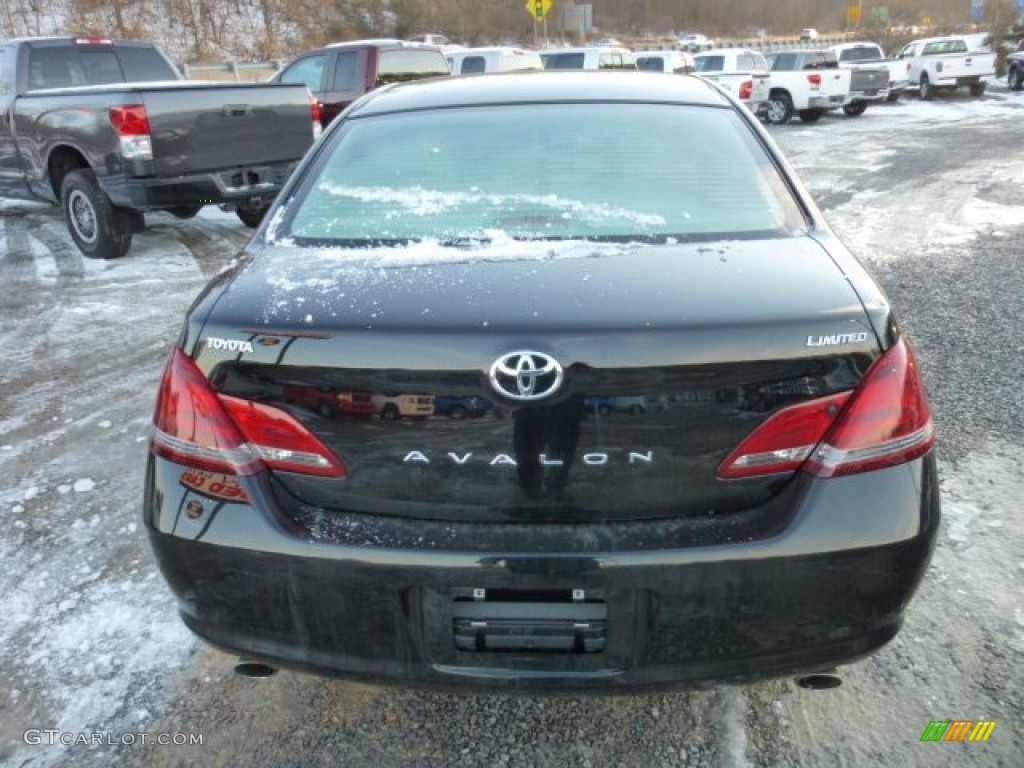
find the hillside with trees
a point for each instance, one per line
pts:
(249, 30)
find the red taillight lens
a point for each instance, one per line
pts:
(814, 80)
(884, 422)
(747, 89)
(280, 440)
(887, 422)
(130, 120)
(317, 109)
(195, 426)
(785, 440)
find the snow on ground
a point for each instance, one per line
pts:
(952, 209)
(89, 633)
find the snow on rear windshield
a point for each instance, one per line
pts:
(615, 172)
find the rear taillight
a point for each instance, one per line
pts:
(318, 114)
(131, 123)
(195, 426)
(884, 422)
(887, 422)
(814, 80)
(746, 89)
(785, 441)
(130, 120)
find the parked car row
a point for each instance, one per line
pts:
(334, 402)
(339, 73)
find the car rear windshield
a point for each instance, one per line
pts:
(614, 172)
(709, 63)
(410, 64)
(562, 60)
(861, 53)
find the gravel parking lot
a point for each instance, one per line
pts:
(929, 195)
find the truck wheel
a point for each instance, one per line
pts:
(780, 109)
(856, 108)
(390, 412)
(811, 115)
(100, 229)
(927, 89)
(977, 90)
(252, 215)
(184, 211)
(893, 96)
(1015, 78)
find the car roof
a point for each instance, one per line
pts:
(587, 49)
(545, 87)
(721, 51)
(493, 49)
(381, 42)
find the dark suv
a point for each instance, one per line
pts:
(340, 73)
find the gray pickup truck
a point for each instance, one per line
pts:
(109, 130)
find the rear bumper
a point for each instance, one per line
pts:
(873, 95)
(802, 600)
(961, 81)
(236, 185)
(825, 102)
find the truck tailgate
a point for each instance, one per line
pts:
(210, 127)
(976, 65)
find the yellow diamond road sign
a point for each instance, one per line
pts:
(539, 9)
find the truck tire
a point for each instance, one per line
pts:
(252, 215)
(927, 89)
(184, 211)
(100, 229)
(977, 90)
(780, 108)
(893, 96)
(811, 115)
(855, 108)
(1015, 78)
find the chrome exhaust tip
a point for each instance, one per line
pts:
(820, 681)
(250, 668)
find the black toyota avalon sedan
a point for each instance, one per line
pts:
(538, 242)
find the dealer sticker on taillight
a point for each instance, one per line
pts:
(214, 485)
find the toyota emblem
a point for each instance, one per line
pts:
(526, 376)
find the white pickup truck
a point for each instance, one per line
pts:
(948, 62)
(805, 83)
(741, 72)
(855, 54)
(868, 82)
